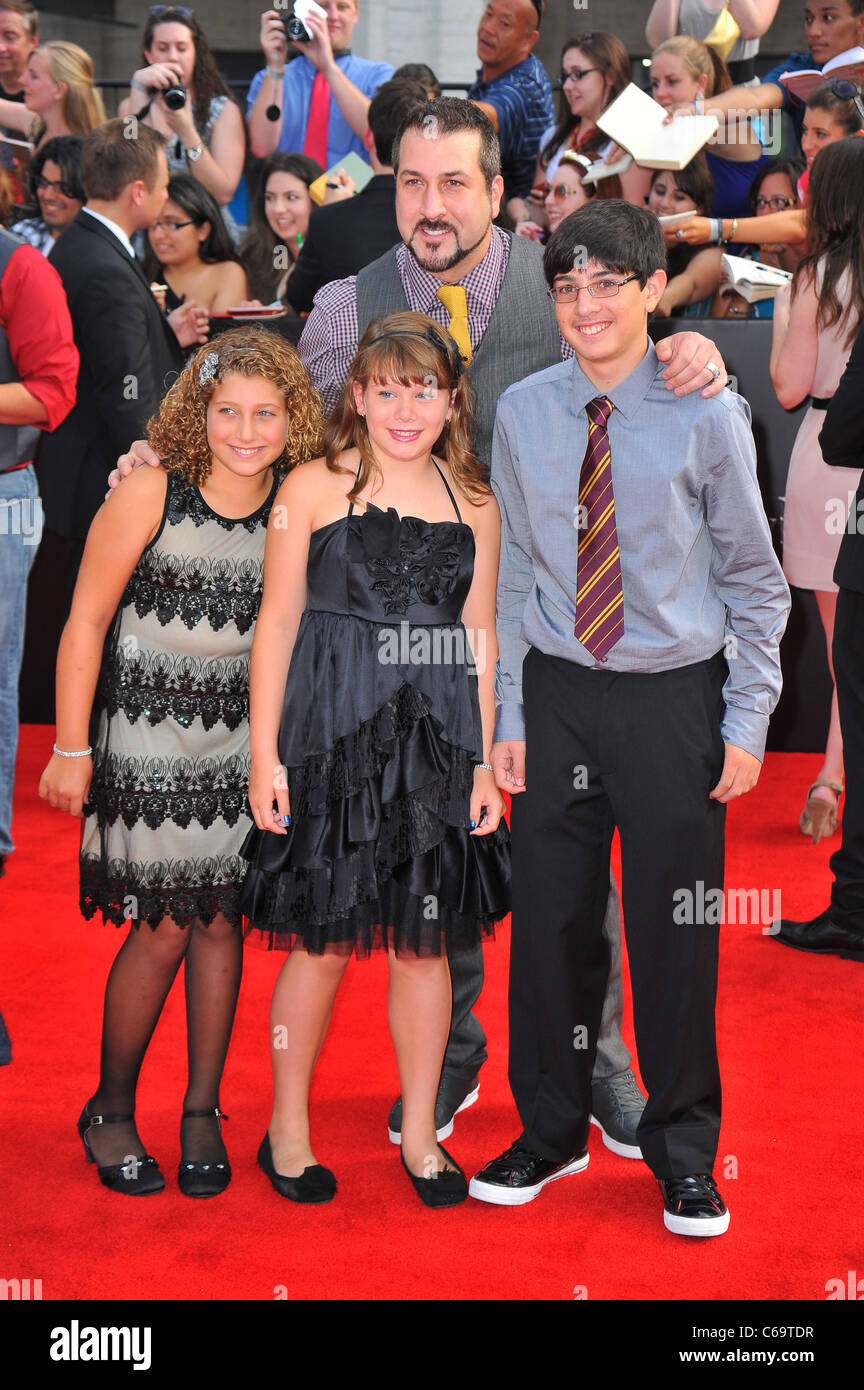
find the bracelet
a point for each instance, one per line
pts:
(487, 767)
(716, 228)
(82, 753)
(276, 73)
(137, 86)
(731, 236)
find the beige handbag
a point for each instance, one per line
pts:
(724, 35)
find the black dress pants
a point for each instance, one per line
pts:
(847, 863)
(640, 752)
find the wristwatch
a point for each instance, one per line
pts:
(194, 154)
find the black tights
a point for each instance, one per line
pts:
(137, 988)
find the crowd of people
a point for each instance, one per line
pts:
(450, 327)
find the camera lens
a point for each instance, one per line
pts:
(295, 30)
(175, 96)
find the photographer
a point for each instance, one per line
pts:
(181, 94)
(319, 103)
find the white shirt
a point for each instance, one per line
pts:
(113, 227)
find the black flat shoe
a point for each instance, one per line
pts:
(136, 1177)
(445, 1188)
(199, 1179)
(315, 1184)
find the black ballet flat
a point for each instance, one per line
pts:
(137, 1177)
(200, 1179)
(315, 1184)
(445, 1188)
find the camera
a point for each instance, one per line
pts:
(296, 31)
(174, 96)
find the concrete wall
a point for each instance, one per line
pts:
(438, 32)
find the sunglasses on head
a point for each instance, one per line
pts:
(160, 11)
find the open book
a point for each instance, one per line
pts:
(635, 122)
(849, 65)
(753, 280)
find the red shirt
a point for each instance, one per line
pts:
(35, 318)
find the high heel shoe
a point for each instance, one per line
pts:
(819, 818)
(136, 1177)
(315, 1184)
(199, 1179)
(445, 1188)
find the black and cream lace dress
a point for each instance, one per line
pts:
(168, 809)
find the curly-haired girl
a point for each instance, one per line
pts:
(371, 731)
(171, 576)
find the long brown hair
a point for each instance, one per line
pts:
(607, 53)
(412, 348)
(835, 223)
(207, 81)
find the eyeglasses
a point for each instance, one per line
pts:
(172, 226)
(560, 190)
(158, 11)
(56, 186)
(848, 91)
(568, 293)
(574, 75)
(775, 204)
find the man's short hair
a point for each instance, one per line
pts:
(117, 154)
(390, 107)
(450, 116)
(623, 238)
(26, 12)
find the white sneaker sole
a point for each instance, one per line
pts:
(518, 1196)
(445, 1131)
(624, 1150)
(696, 1225)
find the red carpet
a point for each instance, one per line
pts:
(790, 1029)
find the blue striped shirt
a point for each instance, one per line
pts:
(522, 96)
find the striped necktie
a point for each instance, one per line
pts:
(599, 595)
(455, 301)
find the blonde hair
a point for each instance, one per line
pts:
(414, 348)
(71, 67)
(178, 432)
(700, 60)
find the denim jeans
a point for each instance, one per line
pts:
(20, 533)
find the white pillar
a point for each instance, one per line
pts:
(443, 34)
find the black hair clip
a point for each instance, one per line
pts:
(429, 335)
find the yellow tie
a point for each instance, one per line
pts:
(454, 301)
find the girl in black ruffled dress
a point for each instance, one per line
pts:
(370, 727)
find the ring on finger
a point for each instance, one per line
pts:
(714, 370)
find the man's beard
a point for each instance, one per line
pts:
(433, 263)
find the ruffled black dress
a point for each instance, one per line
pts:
(380, 734)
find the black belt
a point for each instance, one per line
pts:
(821, 402)
(15, 466)
(742, 70)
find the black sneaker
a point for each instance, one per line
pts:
(693, 1206)
(519, 1174)
(454, 1096)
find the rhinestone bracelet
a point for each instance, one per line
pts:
(486, 766)
(82, 753)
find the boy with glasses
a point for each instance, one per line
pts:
(628, 579)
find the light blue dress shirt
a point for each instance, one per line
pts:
(297, 93)
(698, 569)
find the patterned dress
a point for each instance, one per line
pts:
(168, 810)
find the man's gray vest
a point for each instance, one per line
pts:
(17, 442)
(522, 336)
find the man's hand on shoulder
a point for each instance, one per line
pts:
(690, 358)
(740, 774)
(139, 453)
(508, 765)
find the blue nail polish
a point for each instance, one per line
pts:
(473, 825)
(286, 820)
